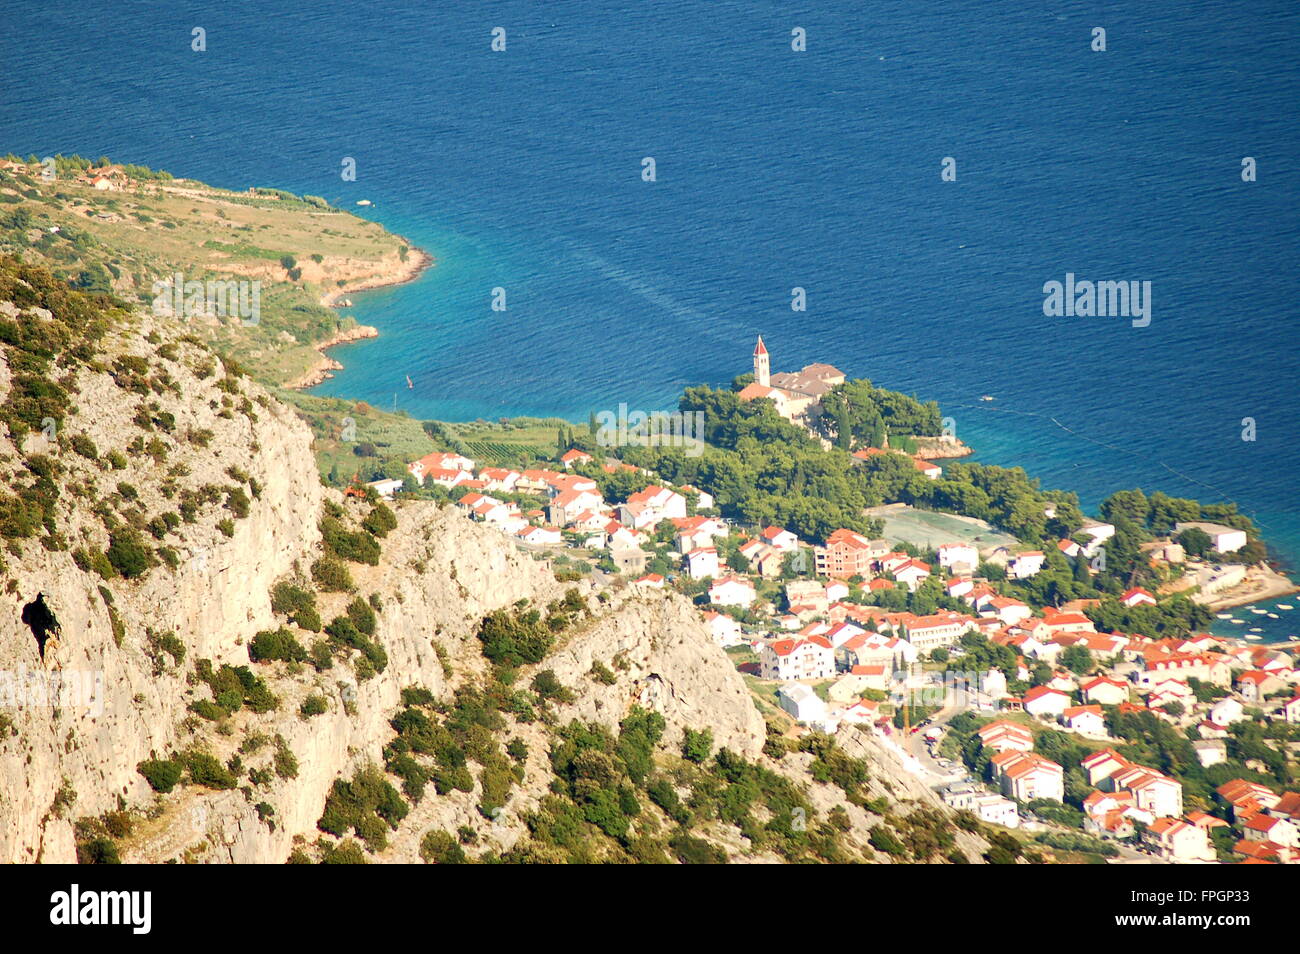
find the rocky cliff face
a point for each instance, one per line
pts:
(163, 455)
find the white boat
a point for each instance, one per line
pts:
(363, 202)
(1285, 606)
(1253, 636)
(1256, 629)
(986, 397)
(1258, 612)
(1223, 615)
(1237, 621)
(1273, 616)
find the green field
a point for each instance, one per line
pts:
(926, 528)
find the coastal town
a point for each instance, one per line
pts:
(1030, 717)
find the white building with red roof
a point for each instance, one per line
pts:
(806, 657)
(732, 591)
(1026, 776)
(1137, 597)
(702, 562)
(697, 531)
(441, 462)
(725, 630)
(1044, 700)
(574, 456)
(1006, 736)
(1021, 566)
(1086, 720)
(1179, 841)
(646, 508)
(1105, 690)
(912, 573)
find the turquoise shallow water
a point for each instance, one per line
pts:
(820, 170)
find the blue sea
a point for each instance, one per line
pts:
(775, 169)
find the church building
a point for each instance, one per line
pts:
(796, 394)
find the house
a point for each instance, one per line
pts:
(540, 536)
(1151, 791)
(448, 477)
(809, 593)
(857, 681)
(732, 591)
(703, 499)
(927, 633)
(440, 461)
(862, 712)
(501, 479)
(1223, 539)
(386, 488)
(1210, 751)
(1099, 532)
(764, 560)
(808, 657)
(1137, 597)
(994, 683)
(1069, 548)
(1086, 720)
(841, 633)
(1179, 841)
(1255, 684)
(1105, 690)
(959, 586)
(1024, 565)
(847, 554)
(648, 507)
(779, 539)
(702, 562)
(695, 532)
(1005, 736)
(912, 573)
(1247, 798)
(1265, 827)
(928, 468)
(1026, 776)
(725, 630)
(802, 703)
(574, 456)
(1009, 611)
(1066, 622)
(1291, 709)
(1044, 700)
(987, 806)
(1227, 711)
(651, 581)
(566, 506)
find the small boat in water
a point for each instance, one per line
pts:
(1253, 636)
(1237, 621)
(409, 382)
(1273, 616)
(1258, 612)
(986, 397)
(1285, 606)
(1223, 615)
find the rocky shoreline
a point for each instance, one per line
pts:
(326, 366)
(416, 262)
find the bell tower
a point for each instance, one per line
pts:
(762, 370)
